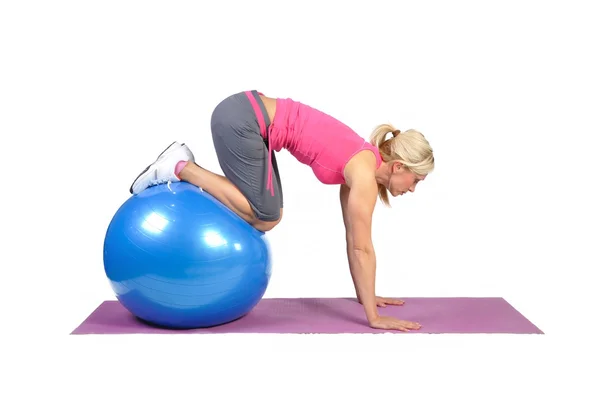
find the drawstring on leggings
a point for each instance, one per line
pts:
(270, 175)
(264, 132)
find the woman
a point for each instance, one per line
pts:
(248, 126)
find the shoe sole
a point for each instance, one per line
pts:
(150, 165)
(167, 149)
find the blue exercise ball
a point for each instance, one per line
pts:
(178, 258)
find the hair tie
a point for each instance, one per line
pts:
(395, 133)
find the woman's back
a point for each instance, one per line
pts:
(314, 138)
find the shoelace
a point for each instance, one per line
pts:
(158, 182)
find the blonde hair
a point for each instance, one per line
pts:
(409, 147)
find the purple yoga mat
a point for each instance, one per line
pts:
(335, 315)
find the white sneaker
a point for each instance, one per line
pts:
(168, 149)
(174, 146)
(163, 169)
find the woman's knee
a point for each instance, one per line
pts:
(264, 225)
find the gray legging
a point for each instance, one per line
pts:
(244, 155)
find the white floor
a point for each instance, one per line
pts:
(226, 365)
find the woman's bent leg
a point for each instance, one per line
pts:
(225, 192)
(219, 187)
(244, 158)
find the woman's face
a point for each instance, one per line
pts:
(403, 180)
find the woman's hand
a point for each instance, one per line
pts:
(383, 302)
(389, 323)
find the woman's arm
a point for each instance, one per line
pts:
(344, 194)
(358, 202)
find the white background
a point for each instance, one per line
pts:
(506, 92)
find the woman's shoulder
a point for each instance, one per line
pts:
(363, 164)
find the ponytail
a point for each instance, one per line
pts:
(379, 139)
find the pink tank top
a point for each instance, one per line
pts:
(313, 137)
